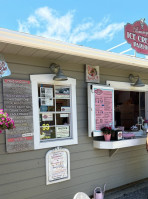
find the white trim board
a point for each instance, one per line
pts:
(126, 86)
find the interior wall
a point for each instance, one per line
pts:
(23, 174)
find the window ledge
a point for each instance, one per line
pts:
(119, 144)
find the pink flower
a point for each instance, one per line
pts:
(5, 121)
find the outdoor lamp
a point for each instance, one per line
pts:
(55, 68)
(138, 82)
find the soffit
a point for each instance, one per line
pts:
(69, 53)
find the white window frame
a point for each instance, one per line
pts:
(125, 86)
(48, 79)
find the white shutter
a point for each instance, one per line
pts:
(100, 108)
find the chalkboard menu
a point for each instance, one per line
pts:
(17, 96)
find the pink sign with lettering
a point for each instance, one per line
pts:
(103, 108)
(137, 35)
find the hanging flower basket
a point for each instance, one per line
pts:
(5, 121)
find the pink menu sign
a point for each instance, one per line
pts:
(103, 108)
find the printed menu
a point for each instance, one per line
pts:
(57, 165)
(103, 108)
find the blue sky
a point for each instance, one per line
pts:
(92, 23)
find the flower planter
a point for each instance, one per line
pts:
(107, 137)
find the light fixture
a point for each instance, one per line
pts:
(138, 82)
(55, 68)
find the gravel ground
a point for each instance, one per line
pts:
(136, 191)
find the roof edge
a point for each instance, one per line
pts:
(27, 40)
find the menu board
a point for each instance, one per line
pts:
(103, 108)
(57, 165)
(100, 108)
(18, 104)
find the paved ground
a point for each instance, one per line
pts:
(137, 190)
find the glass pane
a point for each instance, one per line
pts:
(47, 133)
(46, 104)
(142, 100)
(47, 118)
(62, 92)
(62, 131)
(62, 119)
(142, 113)
(63, 105)
(45, 90)
(126, 108)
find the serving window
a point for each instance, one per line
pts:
(129, 105)
(116, 104)
(54, 109)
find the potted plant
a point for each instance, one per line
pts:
(5, 121)
(107, 131)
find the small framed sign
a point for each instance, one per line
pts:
(92, 74)
(57, 165)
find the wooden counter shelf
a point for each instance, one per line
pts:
(114, 146)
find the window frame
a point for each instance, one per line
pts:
(48, 79)
(126, 86)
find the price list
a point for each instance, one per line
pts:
(57, 165)
(18, 104)
(103, 108)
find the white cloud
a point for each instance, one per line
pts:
(108, 32)
(47, 22)
(33, 21)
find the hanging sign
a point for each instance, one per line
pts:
(137, 35)
(57, 165)
(18, 104)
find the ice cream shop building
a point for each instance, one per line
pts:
(60, 96)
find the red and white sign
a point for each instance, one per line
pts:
(92, 74)
(137, 35)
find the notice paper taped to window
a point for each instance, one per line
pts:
(62, 131)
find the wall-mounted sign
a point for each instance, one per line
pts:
(100, 108)
(92, 74)
(4, 70)
(137, 35)
(57, 165)
(103, 108)
(18, 104)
